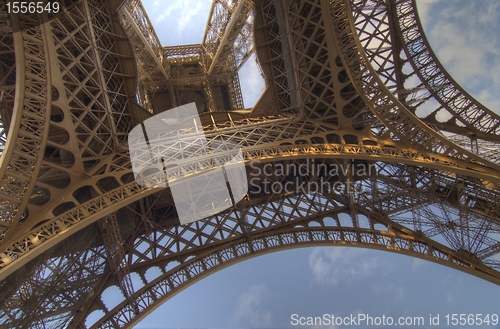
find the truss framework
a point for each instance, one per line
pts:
(334, 73)
(392, 37)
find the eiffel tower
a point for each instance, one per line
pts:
(346, 82)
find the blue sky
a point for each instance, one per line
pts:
(464, 35)
(264, 292)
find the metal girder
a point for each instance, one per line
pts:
(149, 49)
(261, 149)
(228, 36)
(184, 50)
(259, 141)
(290, 221)
(382, 25)
(112, 239)
(7, 76)
(48, 290)
(65, 130)
(462, 107)
(394, 115)
(21, 161)
(334, 81)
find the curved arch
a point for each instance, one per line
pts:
(403, 139)
(477, 118)
(20, 159)
(437, 153)
(406, 127)
(58, 228)
(397, 27)
(92, 100)
(212, 260)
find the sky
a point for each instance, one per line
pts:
(265, 291)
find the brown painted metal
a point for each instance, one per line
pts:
(74, 222)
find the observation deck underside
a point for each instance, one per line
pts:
(74, 221)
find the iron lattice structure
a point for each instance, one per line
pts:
(349, 82)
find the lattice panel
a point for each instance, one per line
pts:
(462, 108)
(50, 288)
(181, 254)
(336, 84)
(21, 160)
(228, 37)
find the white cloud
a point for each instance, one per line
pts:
(252, 83)
(249, 309)
(187, 15)
(331, 266)
(418, 263)
(453, 284)
(180, 13)
(395, 291)
(465, 39)
(178, 22)
(424, 7)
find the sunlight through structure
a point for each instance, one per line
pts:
(349, 84)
